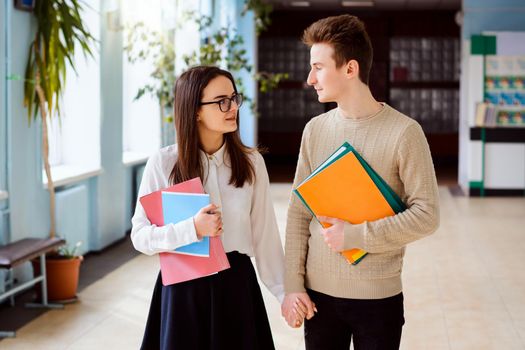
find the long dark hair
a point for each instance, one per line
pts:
(188, 94)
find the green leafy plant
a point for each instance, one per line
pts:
(220, 46)
(225, 46)
(262, 11)
(68, 251)
(60, 32)
(158, 47)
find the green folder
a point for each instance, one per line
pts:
(391, 197)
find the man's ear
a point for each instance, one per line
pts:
(352, 69)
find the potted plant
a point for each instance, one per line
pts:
(63, 271)
(60, 32)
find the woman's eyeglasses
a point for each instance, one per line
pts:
(225, 104)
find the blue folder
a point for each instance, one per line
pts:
(177, 207)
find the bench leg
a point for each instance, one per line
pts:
(43, 283)
(11, 282)
(6, 334)
(42, 279)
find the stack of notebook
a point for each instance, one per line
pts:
(347, 188)
(195, 260)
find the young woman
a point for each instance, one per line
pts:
(225, 310)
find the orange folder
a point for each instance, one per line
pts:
(345, 190)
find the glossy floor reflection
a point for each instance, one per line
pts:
(464, 289)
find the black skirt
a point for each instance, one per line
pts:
(222, 311)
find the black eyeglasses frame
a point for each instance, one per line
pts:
(237, 98)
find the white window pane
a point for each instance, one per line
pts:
(75, 140)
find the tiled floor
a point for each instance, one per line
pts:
(464, 289)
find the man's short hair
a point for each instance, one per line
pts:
(348, 37)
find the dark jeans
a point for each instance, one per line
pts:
(372, 324)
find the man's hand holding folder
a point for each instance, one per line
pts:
(334, 235)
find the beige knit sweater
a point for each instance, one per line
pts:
(395, 146)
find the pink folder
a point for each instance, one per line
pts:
(176, 268)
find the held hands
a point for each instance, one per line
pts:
(334, 235)
(296, 307)
(208, 221)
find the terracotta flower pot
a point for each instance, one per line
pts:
(62, 278)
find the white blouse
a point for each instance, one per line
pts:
(249, 224)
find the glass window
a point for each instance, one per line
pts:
(74, 141)
(141, 117)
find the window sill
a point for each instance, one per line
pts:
(68, 174)
(3, 195)
(133, 158)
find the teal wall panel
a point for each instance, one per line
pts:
(489, 15)
(3, 99)
(483, 4)
(228, 13)
(130, 196)
(73, 215)
(4, 233)
(28, 200)
(246, 27)
(111, 191)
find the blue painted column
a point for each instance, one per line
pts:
(228, 13)
(108, 197)
(246, 28)
(4, 206)
(29, 201)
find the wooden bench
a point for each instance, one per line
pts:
(16, 253)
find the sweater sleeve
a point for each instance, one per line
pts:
(151, 239)
(297, 224)
(421, 218)
(267, 244)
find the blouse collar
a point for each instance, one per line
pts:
(216, 158)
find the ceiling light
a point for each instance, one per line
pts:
(300, 3)
(357, 3)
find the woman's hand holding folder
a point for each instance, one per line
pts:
(208, 221)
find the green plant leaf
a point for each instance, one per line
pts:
(59, 30)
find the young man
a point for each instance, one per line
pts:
(363, 302)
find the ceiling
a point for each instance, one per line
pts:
(376, 4)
